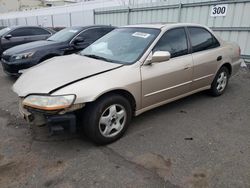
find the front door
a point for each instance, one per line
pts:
(166, 80)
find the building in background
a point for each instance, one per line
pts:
(19, 5)
(50, 3)
(22, 5)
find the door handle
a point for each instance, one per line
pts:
(219, 58)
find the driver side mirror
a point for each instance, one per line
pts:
(158, 56)
(79, 40)
(8, 36)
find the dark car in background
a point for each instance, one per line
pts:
(67, 41)
(16, 35)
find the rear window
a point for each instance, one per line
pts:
(201, 39)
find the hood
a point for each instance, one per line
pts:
(58, 72)
(31, 46)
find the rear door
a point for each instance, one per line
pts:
(166, 80)
(206, 53)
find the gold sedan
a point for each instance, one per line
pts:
(127, 72)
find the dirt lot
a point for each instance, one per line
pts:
(197, 142)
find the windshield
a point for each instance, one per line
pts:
(64, 35)
(3, 31)
(122, 45)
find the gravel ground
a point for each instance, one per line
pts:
(196, 142)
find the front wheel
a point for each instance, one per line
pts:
(220, 82)
(107, 119)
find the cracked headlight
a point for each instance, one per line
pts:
(23, 56)
(49, 102)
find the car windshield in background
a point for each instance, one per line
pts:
(64, 35)
(122, 45)
(3, 31)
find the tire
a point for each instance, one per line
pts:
(220, 82)
(107, 119)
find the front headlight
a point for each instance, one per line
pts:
(23, 56)
(49, 103)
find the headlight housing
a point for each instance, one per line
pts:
(23, 56)
(50, 102)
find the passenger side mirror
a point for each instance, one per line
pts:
(8, 36)
(79, 40)
(158, 56)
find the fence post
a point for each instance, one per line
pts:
(94, 16)
(37, 22)
(70, 19)
(179, 12)
(52, 20)
(128, 16)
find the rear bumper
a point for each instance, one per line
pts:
(236, 66)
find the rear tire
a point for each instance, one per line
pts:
(107, 119)
(220, 82)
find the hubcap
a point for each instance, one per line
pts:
(112, 120)
(221, 82)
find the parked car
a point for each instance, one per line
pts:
(16, 35)
(66, 41)
(127, 72)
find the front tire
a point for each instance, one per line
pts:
(220, 82)
(107, 119)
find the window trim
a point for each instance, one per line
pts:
(189, 36)
(187, 40)
(9, 32)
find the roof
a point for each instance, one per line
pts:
(90, 26)
(163, 25)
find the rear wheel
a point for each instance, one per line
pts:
(220, 82)
(107, 119)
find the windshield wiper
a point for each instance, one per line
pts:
(97, 57)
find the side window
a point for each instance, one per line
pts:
(102, 31)
(86, 34)
(20, 32)
(94, 34)
(201, 39)
(39, 31)
(174, 41)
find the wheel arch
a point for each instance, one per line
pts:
(228, 66)
(126, 94)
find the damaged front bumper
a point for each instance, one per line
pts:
(56, 120)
